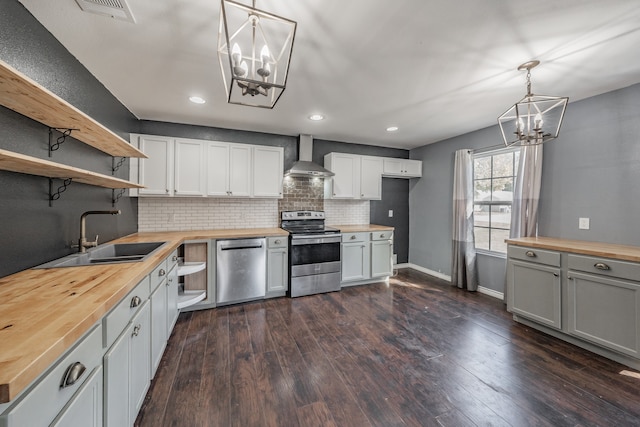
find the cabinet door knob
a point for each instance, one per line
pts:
(530, 254)
(135, 301)
(136, 330)
(162, 272)
(556, 274)
(353, 237)
(174, 258)
(601, 266)
(72, 374)
(382, 236)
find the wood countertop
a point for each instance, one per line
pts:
(44, 311)
(361, 228)
(606, 250)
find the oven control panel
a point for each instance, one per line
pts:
(302, 215)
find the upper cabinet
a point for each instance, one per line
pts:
(402, 168)
(198, 168)
(360, 177)
(356, 177)
(23, 95)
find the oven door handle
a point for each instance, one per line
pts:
(314, 240)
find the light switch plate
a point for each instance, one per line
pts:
(390, 213)
(583, 223)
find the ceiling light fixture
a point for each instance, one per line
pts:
(254, 51)
(197, 100)
(392, 128)
(534, 119)
(316, 117)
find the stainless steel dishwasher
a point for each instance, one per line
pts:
(241, 270)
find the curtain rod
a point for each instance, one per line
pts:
(483, 149)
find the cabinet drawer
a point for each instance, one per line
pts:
(158, 275)
(355, 237)
(117, 319)
(172, 260)
(605, 266)
(539, 256)
(381, 235)
(40, 406)
(278, 242)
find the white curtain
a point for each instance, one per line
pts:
(526, 193)
(464, 273)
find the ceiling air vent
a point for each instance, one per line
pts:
(117, 9)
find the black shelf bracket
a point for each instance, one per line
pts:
(115, 197)
(116, 165)
(65, 132)
(61, 189)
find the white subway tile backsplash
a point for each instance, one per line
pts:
(347, 212)
(179, 214)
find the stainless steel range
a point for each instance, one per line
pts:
(314, 253)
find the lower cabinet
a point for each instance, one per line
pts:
(605, 311)
(127, 371)
(85, 408)
(277, 266)
(172, 300)
(381, 254)
(159, 324)
(536, 293)
(356, 257)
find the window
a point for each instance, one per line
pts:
(493, 180)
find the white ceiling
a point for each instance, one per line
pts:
(435, 69)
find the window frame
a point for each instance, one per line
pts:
(491, 153)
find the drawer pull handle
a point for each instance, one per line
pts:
(601, 266)
(162, 272)
(277, 242)
(72, 374)
(382, 236)
(353, 237)
(556, 275)
(135, 301)
(136, 330)
(530, 254)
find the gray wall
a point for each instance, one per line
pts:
(395, 192)
(590, 171)
(30, 231)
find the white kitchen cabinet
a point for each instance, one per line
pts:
(356, 177)
(127, 371)
(381, 254)
(402, 168)
(371, 177)
(277, 266)
(356, 258)
(228, 169)
(345, 184)
(156, 171)
(159, 324)
(85, 408)
(189, 168)
(268, 171)
(171, 287)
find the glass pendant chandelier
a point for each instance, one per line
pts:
(254, 50)
(534, 119)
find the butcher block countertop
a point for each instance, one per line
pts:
(361, 228)
(606, 250)
(44, 311)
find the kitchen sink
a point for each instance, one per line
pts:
(109, 253)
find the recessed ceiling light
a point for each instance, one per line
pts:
(392, 128)
(316, 117)
(197, 100)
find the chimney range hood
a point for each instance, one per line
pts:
(304, 167)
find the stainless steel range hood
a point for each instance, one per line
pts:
(304, 167)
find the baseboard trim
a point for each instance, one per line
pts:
(481, 289)
(491, 292)
(429, 272)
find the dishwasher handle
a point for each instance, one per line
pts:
(235, 248)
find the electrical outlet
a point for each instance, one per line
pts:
(390, 213)
(395, 259)
(583, 223)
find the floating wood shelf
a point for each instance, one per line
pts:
(15, 162)
(23, 95)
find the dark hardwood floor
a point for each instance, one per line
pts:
(415, 352)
